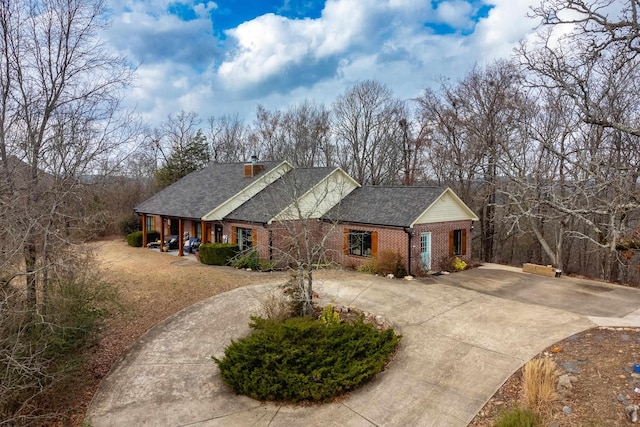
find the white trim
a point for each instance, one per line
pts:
(282, 215)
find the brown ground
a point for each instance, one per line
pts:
(154, 286)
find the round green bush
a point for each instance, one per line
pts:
(302, 359)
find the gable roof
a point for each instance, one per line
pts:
(198, 193)
(391, 206)
(275, 198)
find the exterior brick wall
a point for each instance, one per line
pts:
(260, 236)
(394, 239)
(439, 243)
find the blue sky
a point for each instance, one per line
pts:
(228, 56)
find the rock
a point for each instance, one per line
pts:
(632, 412)
(566, 410)
(408, 277)
(570, 367)
(564, 381)
(390, 276)
(623, 399)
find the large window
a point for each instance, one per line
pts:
(360, 243)
(244, 238)
(197, 230)
(457, 242)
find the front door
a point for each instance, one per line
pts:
(425, 251)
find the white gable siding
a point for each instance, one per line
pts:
(447, 207)
(322, 197)
(248, 192)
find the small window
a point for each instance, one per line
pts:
(244, 238)
(150, 223)
(360, 243)
(197, 230)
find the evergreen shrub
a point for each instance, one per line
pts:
(303, 359)
(217, 253)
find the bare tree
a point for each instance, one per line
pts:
(588, 52)
(475, 123)
(368, 133)
(300, 135)
(306, 135)
(292, 210)
(229, 139)
(597, 50)
(266, 136)
(60, 119)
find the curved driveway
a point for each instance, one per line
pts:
(458, 347)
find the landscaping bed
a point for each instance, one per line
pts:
(599, 363)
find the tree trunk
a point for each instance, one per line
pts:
(30, 269)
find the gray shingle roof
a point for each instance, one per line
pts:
(387, 206)
(276, 197)
(200, 192)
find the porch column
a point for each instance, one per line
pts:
(161, 233)
(180, 238)
(144, 230)
(203, 230)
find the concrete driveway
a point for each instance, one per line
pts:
(459, 345)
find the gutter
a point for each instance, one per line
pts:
(409, 232)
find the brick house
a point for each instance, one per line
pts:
(275, 208)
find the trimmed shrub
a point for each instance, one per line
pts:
(303, 359)
(135, 239)
(217, 253)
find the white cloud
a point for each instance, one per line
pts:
(456, 13)
(505, 26)
(276, 61)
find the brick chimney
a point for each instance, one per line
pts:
(252, 169)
